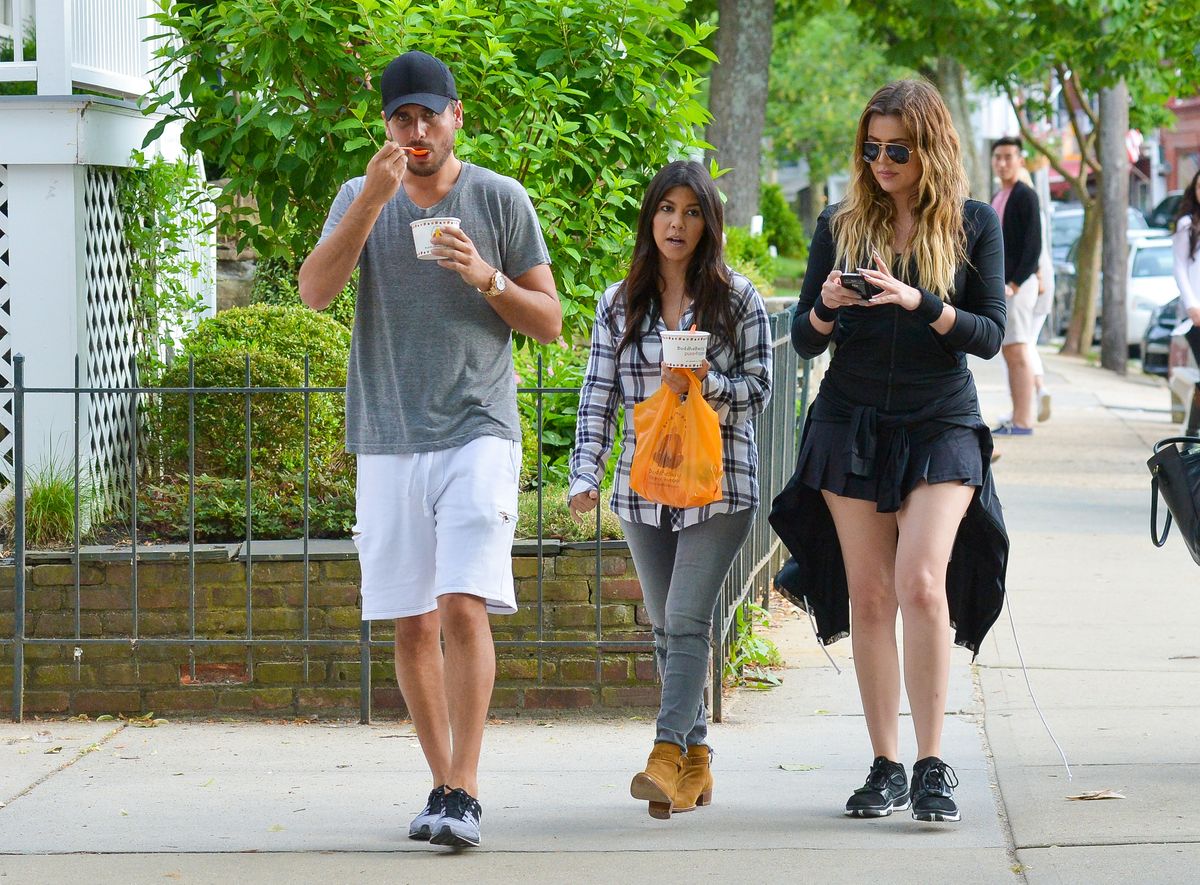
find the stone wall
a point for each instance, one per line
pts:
(270, 679)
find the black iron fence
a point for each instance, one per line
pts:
(750, 576)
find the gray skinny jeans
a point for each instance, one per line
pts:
(681, 575)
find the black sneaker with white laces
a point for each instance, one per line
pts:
(422, 825)
(933, 784)
(459, 824)
(885, 791)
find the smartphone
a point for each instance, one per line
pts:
(858, 283)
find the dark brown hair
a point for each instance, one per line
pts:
(707, 279)
(1189, 206)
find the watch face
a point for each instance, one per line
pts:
(499, 283)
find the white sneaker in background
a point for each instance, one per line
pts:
(1043, 404)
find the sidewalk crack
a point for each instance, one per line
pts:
(84, 751)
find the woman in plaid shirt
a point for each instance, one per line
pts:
(677, 278)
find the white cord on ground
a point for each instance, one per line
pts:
(813, 624)
(1029, 687)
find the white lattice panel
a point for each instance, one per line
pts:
(110, 335)
(6, 355)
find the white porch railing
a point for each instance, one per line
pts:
(99, 45)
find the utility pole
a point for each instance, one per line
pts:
(1114, 206)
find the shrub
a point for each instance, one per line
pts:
(750, 256)
(276, 340)
(556, 517)
(275, 283)
(277, 504)
(781, 227)
(290, 332)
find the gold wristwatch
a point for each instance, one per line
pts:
(497, 285)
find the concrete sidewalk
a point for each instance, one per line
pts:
(1107, 625)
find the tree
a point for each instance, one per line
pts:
(1043, 54)
(938, 39)
(818, 124)
(1114, 110)
(738, 101)
(1150, 46)
(581, 101)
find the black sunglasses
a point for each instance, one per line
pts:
(897, 153)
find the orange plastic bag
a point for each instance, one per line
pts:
(677, 454)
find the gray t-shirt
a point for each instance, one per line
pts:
(430, 361)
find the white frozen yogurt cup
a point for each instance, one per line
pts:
(684, 350)
(423, 230)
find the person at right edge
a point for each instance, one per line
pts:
(892, 506)
(1186, 249)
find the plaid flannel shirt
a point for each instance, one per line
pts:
(737, 386)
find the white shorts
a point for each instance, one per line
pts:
(441, 522)
(1021, 327)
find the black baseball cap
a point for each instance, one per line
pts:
(417, 78)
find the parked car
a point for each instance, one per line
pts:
(1182, 375)
(1150, 284)
(1156, 343)
(1066, 224)
(1163, 215)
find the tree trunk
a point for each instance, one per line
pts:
(738, 102)
(1114, 193)
(1087, 270)
(950, 79)
(812, 204)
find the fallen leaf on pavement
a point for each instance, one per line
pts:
(1099, 794)
(276, 828)
(52, 750)
(42, 737)
(797, 766)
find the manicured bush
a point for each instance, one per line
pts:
(276, 340)
(289, 331)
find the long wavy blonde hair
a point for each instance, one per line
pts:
(867, 217)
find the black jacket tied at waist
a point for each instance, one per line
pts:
(815, 577)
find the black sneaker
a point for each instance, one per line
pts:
(932, 790)
(421, 826)
(885, 791)
(459, 824)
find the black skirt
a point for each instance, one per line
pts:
(937, 453)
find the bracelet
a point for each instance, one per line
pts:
(930, 308)
(824, 312)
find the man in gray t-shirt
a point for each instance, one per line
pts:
(431, 411)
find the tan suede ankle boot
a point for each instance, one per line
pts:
(696, 780)
(658, 783)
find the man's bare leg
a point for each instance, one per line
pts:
(470, 673)
(419, 673)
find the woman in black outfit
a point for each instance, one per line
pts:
(892, 507)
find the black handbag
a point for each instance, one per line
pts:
(1175, 474)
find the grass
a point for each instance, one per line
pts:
(50, 505)
(556, 517)
(789, 272)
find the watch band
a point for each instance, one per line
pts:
(496, 285)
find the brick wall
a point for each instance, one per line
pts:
(271, 680)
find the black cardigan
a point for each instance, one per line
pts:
(889, 357)
(1022, 229)
(891, 369)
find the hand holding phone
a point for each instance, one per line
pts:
(856, 282)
